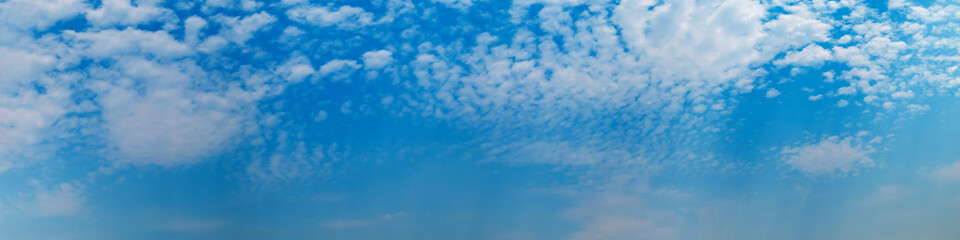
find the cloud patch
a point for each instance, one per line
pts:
(831, 156)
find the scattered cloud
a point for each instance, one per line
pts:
(377, 59)
(610, 216)
(323, 16)
(123, 12)
(357, 223)
(39, 14)
(948, 174)
(191, 225)
(772, 93)
(832, 155)
(884, 194)
(65, 199)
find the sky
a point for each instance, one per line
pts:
(479, 119)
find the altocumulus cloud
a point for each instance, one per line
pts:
(615, 93)
(832, 155)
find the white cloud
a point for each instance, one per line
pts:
(26, 113)
(377, 59)
(902, 94)
(240, 30)
(610, 217)
(949, 173)
(842, 103)
(812, 55)
(347, 107)
(65, 199)
(712, 40)
(718, 40)
(5, 165)
(344, 16)
(122, 12)
(294, 161)
(190, 225)
(884, 194)
(356, 223)
(40, 14)
(772, 93)
(168, 127)
(338, 69)
(459, 4)
(296, 69)
(192, 28)
(111, 43)
(321, 116)
(832, 155)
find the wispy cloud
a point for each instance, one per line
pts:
(356, 223)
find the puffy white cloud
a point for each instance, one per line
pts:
(192, 28)
(296, 69)
(123, 12)
(842, 103)
(459, 4)
(110, 43)
(40, 14)
(167, 127)
(344, 16)
(713, 40)
(239, 30)
(772, 93)
(338, 69)
(832, 155)
(27, 114)
(812, 55)
(377, 59)
(902, 94)
(245, 5)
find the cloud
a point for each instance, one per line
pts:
(884, 194)
(296, 69)
(5, 165)
(812, 55)
(122, 12)
(356, 223)
(948, 174)
(168, 128)
(718, 40)
(344, 16)
(112, 43)
(191, 225)
(294, 160)
(39, 14)
(377, 59)
(240, 30)
(832, 155)
(27, 112)
(338, 69)
(772, 93)
(611, 216)
(192, 29)
(66, 199)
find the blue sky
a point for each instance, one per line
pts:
(487, 120)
